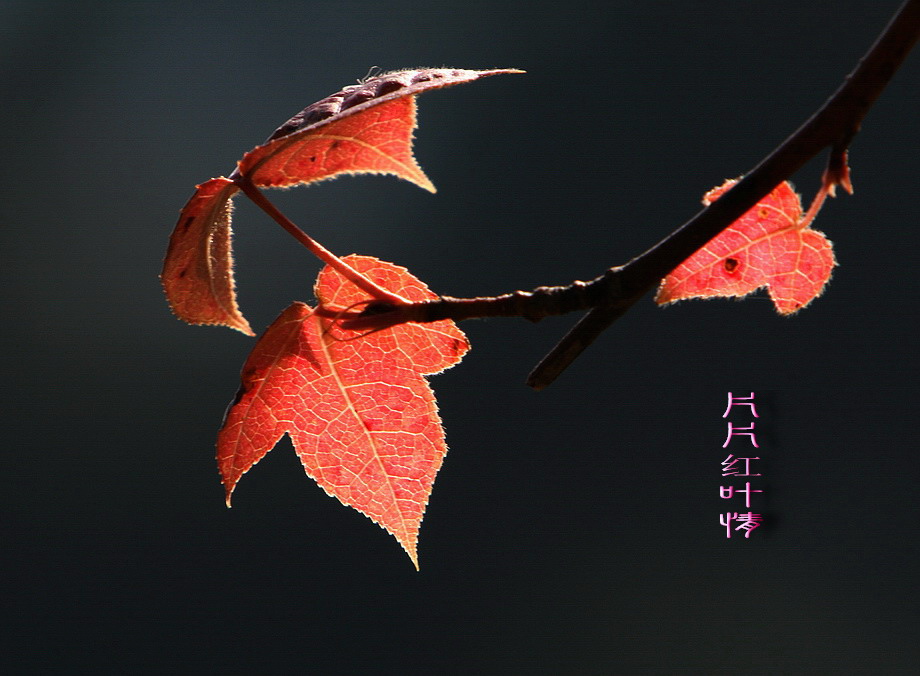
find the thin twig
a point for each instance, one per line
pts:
(317, 249)
(834, 124)
(610, 295)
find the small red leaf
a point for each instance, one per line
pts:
(198, 271)
(364, 128)
(357, 407)
(348, 145)
(769, 246)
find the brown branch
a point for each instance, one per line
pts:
(834, 124)
(544, 301)
(609, 296)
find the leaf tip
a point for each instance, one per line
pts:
(425, 183)
(411, 548)
(501, 71)
(244, 328)
(663, 297)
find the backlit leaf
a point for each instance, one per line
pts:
(769, 246)
(357, 407)
(364, 128)
(198, 271)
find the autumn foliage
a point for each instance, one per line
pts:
(364, 128)
(770, 246)
(357, 407)
(356, 403)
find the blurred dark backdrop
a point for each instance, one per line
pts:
(572, 531)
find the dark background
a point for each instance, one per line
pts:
(571, 531)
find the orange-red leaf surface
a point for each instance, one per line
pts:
(198, 271)
(357, 407)
(771, 245)
(364, 128)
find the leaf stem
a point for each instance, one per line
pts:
(317, 249)
(815, 207)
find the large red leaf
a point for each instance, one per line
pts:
(357, 407)
(769, 246)
(364, 128)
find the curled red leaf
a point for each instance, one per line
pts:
(364, 128)
(198, 271)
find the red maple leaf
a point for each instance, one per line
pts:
(357, 407)
(364, 128)
(770, 246)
